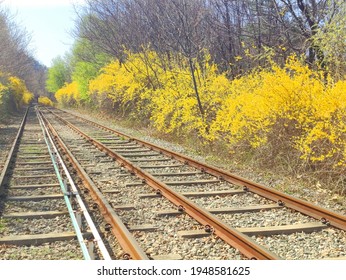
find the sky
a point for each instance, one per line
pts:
(49, 22)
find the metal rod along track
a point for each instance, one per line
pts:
(58, 162)
(124, 237)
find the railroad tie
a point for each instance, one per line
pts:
(135, 155)
(171, 257)
(34, 186)
(196, 194)
(131, 150)
(228, 210)
(160, 166)
(187, 183)
(37, 239)
(34, 215)
(35, 197)
(34, 176)
(144, 227)
(286, 229)
(111, 191)
(33, 163)
(262, 231)
(34, 169)
(123, 207)
(150, 159)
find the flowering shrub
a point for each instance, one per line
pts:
(68, 95)
(129, 86)
(3, 94)
(3, 89)
(44, 100)
(165, 95)
(15, 89)
(19, 91)
(292, 102)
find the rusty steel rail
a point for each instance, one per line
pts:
(127, 242)
(10, 154)
(324, 215)
(230, 235)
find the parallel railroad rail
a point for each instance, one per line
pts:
(10, 134)
(42, 210)
(186, 183)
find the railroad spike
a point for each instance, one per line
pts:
(281, 203)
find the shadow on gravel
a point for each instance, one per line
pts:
(7, 135)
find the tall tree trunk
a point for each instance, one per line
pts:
(192, 70)
(229, 35)
(259, 27)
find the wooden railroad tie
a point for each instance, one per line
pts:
(35, 197)
(228, 210)
(37, 239)
(34, 215)
(262, 231)
(198, 194)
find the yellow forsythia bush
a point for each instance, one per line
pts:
(68, 95)
(13, 94)
(44, 100)
(19, 91)
(324, 137)
(118, 83)
(3, 90)
(293, 103)
(165, 95)
(174, 105)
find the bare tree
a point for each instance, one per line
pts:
(15, 57)
(226, 28)
(102, 23)
(226, 20)
(301, 20)
(179, 26)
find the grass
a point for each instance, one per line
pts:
(2, 225)
(32, 150)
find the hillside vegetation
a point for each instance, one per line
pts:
(13, 94)
(21, 76)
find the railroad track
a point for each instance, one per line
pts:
(9, 132)
(41, 213)
(212, 209)
(155, 233)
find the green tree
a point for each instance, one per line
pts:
(86, 61)
(58, 74)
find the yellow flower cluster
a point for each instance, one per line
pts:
(68, 95)
(19, 91)
(44, 100)
(16, 88)
(2, 92)
(306, 109)
(148, 88)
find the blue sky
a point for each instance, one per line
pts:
(49, 22)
